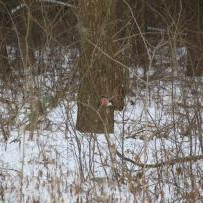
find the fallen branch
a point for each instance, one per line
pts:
(156, 165)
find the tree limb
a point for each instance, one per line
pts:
(163, 163)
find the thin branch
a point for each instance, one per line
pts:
(169, 162)
(48, 1)
(9, 169)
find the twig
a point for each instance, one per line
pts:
(169, 162)
(24, 5)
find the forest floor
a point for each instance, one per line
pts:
(144, 161)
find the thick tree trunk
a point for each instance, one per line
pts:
(195, 38)
(100, 75)
(5, 70)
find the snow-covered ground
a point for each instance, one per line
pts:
(63, 165)
(154, 155)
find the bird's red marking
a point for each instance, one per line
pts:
(104, 101)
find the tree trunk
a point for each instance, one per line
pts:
(195, 38)
(5, 70)
(100, 75)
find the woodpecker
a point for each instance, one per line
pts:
(105, 102)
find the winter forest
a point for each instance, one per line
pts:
(101, 101)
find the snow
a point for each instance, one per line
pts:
(54, 158)
(63, 165)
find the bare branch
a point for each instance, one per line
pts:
(169, 162)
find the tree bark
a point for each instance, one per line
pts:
(100, 75)
(5, 70)
(195, 38)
